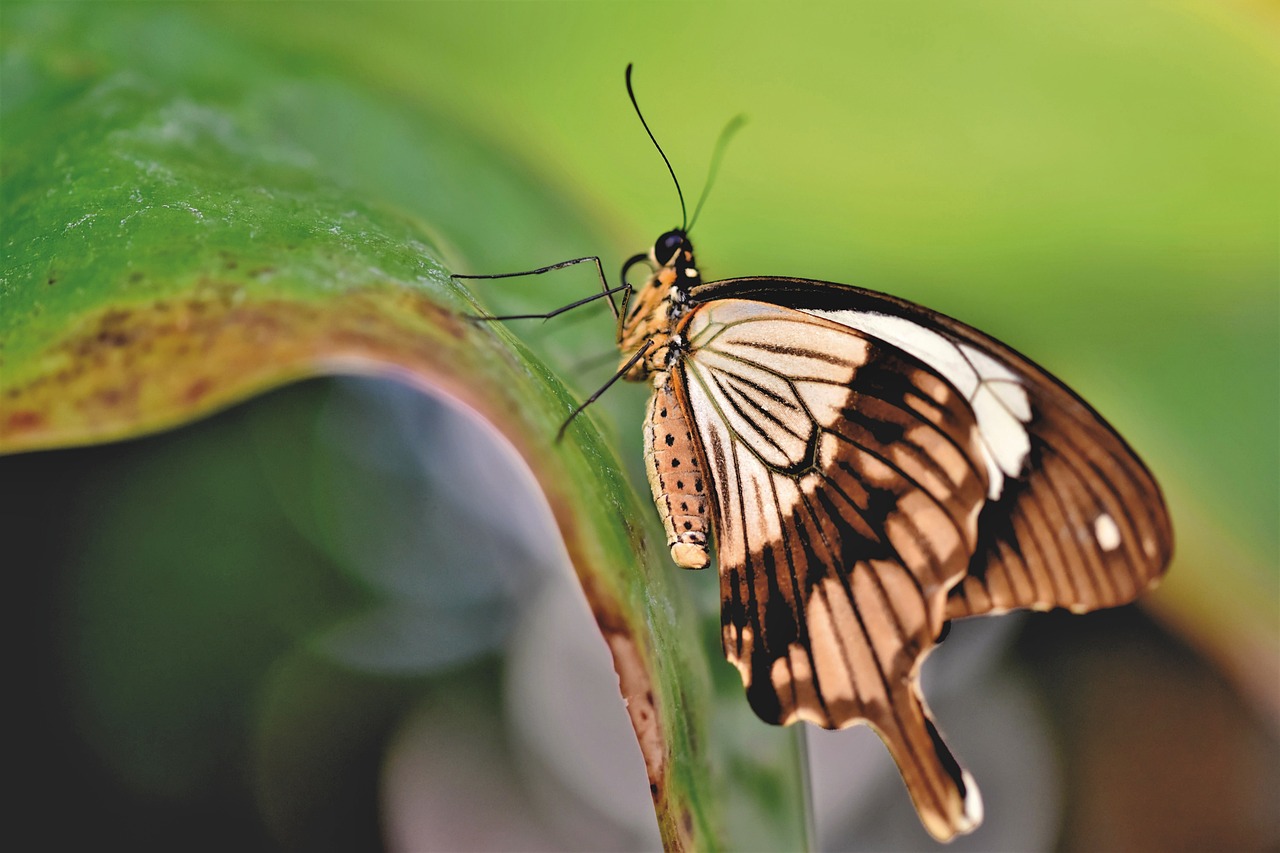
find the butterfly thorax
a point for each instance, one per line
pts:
(651, 324)
(657, 307)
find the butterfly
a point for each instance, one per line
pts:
(869, 470)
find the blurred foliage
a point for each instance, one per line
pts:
(1094, 184)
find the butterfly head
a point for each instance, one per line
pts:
(675, 270)
(671, 247)
(674, 265)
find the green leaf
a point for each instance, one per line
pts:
(190, 225)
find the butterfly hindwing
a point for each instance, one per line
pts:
(848, 478)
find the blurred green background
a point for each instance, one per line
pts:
(1095, 184)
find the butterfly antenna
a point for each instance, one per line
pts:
(735, 124)
(684, 216)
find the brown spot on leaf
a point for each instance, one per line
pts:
(129, 368)
(23, 420)
(196, 390)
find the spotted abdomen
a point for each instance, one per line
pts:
(679, 488)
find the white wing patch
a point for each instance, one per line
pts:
(998, 399)
(1107, 532)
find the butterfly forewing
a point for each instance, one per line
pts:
(1073, 518)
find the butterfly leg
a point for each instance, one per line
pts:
(558, 311)
(605, 290)
(679, 487)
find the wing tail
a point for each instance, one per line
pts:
(942, 791)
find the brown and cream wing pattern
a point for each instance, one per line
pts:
(1084, 527)
(848, 477)
(1073, 518)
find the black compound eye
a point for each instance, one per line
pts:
(670, 243)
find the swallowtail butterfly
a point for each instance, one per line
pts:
(871, 470)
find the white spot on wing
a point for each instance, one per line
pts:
(972, 804)
(1106, 531)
